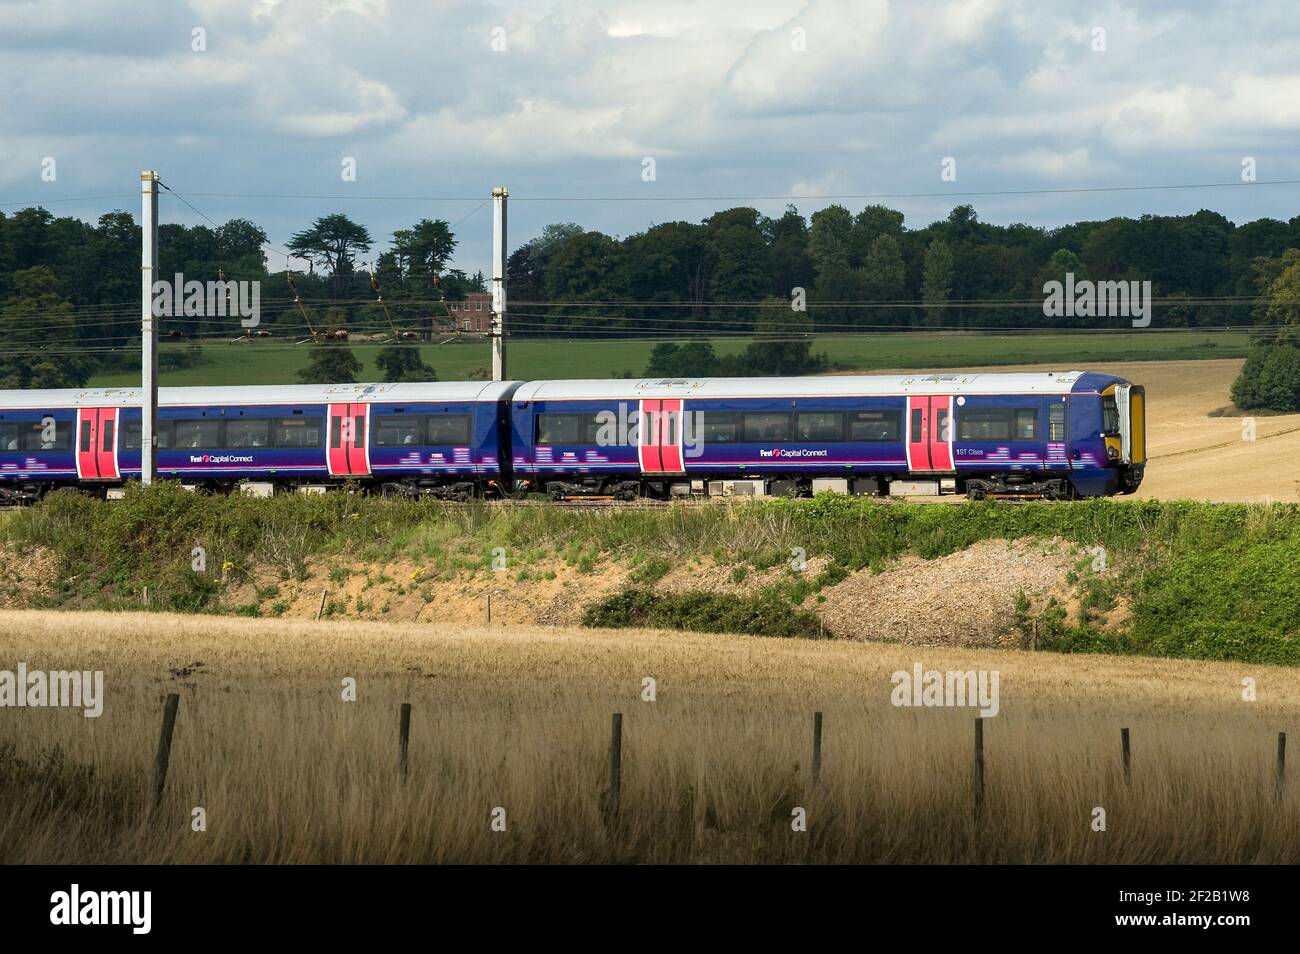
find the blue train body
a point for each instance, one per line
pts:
(1053, 435)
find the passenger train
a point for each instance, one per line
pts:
(1054, 435)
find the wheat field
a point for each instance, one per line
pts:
(512, 725)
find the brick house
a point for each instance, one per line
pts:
(474, 314)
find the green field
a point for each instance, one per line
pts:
(273, 362)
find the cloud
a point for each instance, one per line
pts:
(766, 97)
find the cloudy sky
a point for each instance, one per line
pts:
(563, 102)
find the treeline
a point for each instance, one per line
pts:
(958, 272)
(69, 290)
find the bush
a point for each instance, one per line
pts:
(764, 615)
(1270, 379)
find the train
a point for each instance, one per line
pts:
(1050, 435)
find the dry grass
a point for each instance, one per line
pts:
(519, 718)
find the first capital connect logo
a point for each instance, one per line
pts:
(793, 452)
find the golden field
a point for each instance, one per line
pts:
(518, 719)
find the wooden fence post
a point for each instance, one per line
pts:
(488, 621)
(979, 766)
(1127, 756)
(615, 765)
(1281, 762)
(404, 738)
(164, 755)
(321, 609)
(817, 747)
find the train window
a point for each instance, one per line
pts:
(8, 436)
(984, 424)
(204, 434)
(942, 429)
(998, 424)
(296, 432)
(35, 436)
(397, 430)
(825, 426)
(918, 425)
(764, 426)
(1109, 415)
(106, 435)
(445, 429)
(359, 431)
(874, 426)
(1056, 421)
(250, 432)
(85, 437)
(336, 431)
(719, 427)
(561, 428)
(1026, 424)
(131, 434)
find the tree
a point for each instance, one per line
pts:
(1270, 378)
(331, 364)
(333, 242)
(403, 363)
(39, 334)
(937, 284)
(830, 238)
(884, 277)
(782, 343)
(695, 359)
(423, 249)
(1284, 292)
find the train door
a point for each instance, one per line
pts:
(660, 431)
(930, 427)
(97, 440)
(347, 453)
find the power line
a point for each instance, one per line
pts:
(75, 198)
(774, 197)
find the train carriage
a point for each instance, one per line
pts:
(1055, 435)
(439, 438)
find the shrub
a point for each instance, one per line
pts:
(1270, 379)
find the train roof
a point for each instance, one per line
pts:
(433, 391)
(831, 385)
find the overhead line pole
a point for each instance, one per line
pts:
(499, 196)
(148, 327)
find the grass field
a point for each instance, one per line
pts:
(273, 362)
(1207, 581)
(713, 769)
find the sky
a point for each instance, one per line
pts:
(572, 105)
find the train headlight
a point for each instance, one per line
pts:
(1112, 453)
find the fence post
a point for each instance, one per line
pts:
(1127, 755)
(979, 766)
(164, 755)
(404, 738)
(488, 621)
(1281, 762)
(817, 747)
(321, 609)
(615, 765)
